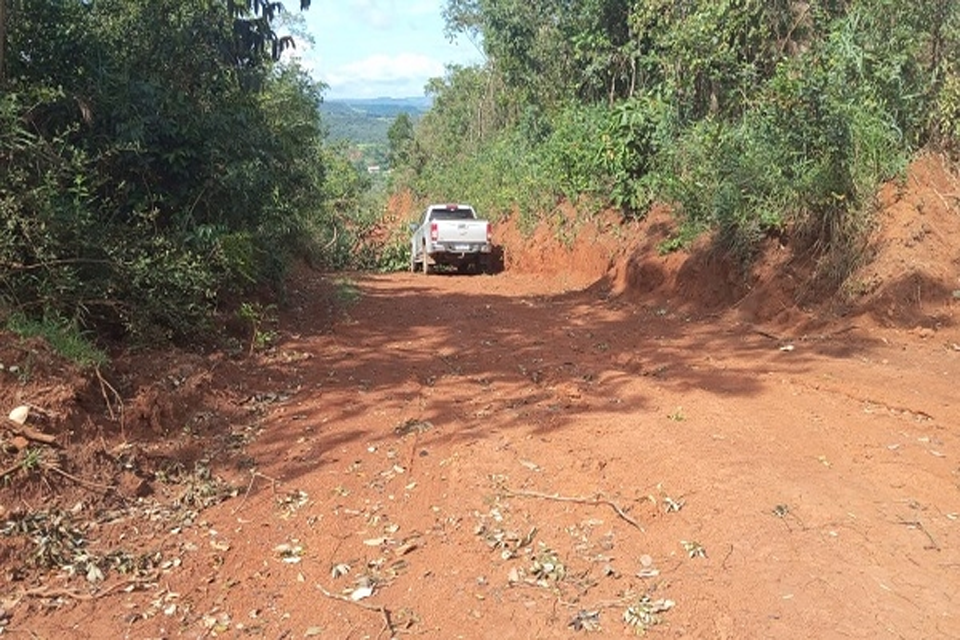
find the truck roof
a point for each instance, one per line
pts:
(449, 206)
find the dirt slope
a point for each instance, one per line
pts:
(613, 441)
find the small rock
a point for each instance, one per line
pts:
(924, 332)
(21, 413)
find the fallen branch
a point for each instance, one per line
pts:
(89, 484)
(383, 611)
(4, 473)
(595, 500)
(30, 433)
(46, 592)
(948, 195)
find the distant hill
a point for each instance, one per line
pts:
(366, 121)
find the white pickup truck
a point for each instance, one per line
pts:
(450, 234)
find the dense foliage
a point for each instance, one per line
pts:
(158, 159)
(155, 159)
(748, 116)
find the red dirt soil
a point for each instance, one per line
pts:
(597, 439)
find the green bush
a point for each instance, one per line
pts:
(638, 131)
(946, 116)
(572, 156)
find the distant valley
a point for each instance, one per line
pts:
(366, 121)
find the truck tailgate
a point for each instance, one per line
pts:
(462, 231)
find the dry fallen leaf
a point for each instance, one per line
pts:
(220, 545)
(376, 542)
(360, 593)
(407, 547)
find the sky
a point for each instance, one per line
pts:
(379, 48)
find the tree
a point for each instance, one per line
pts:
(3, 40)
(745, 114)
(145, 168)
(400, 139)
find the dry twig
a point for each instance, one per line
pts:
(592, 500)
(253, 476)
(104, 387)
(89, 484)
(916, 524)
(4, 473)
(46, 592)
(383, 611)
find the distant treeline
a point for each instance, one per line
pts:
(366, 122)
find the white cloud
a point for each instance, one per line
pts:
(372, 48)
(373, 12)
(400, 75)
(385, 14)
(303, 52)
(380, 68)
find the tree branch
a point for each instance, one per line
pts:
(591, 500)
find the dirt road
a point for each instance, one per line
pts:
(514, 456)
(814, 479)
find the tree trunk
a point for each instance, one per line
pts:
(3, 41)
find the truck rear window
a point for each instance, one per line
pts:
(451, 214)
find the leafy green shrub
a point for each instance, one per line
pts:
(729, 177)
(946, 116)
(638, 129)
(572, 156)
(394, 256)
(259, 318)
(504, 175)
